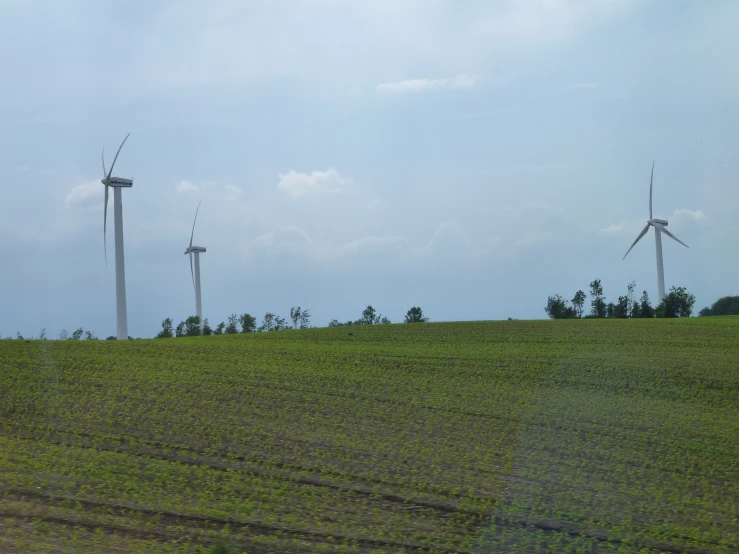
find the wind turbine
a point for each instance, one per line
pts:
(196, 274)
(659, 228)
(117, 183)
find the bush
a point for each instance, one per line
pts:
(727, 305)
(678, 303)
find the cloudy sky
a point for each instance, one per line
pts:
(468, 157)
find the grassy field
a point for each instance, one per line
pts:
(513, 436)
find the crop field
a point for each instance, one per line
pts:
(512, 436)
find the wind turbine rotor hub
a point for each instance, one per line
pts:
(662, 222)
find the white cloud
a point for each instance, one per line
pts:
(284, 239)
(634, 226)
(623, 227)
(318, 182)
(186, 186)
(86, 194)
(232, 192)
(462, 81)
(376, 245)
(319, 44)
(449, 239)
(689, 215)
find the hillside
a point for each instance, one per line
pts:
(444, 437)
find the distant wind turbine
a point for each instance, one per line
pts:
(196, 274)
(659, 228)
(120, 272)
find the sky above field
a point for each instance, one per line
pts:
(471, 158)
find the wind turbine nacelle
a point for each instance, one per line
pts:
(662, 222)
(120, 182)
(195, 249)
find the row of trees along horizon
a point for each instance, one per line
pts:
(246, 323)
(677, 303)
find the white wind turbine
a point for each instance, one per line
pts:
(659, 228)
(196, 274)
(120, 272)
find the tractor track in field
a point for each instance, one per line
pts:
(175, 518)
(713, 482)
(95, 440)
(617, 431)
(371, 495)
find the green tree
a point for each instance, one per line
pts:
(304, 320)
(42, 334)
(677, 303)
(610, 310)
(621, 308)
(557, 308)
(578, 302)
(77, 335)
(219, 328)
(90, 335)
(630, 298)
(645, 306)
(248, 323)
(232, 325)
(727, 305)
(295, 316)
(207, 331)
(167, 331)
(598, 306)
(368, 315)
(415, 315)
(268, 322)
(192, 326)
(635, 310)
(180, 330)
(63, 335)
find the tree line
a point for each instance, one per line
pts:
(677, 303)
(246, 323)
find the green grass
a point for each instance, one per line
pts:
(514, 436)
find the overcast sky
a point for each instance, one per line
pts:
(468, 157)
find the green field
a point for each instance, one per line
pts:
(513, 436)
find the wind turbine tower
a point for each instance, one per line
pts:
(196, 250)
(117, 183)
(659, 228)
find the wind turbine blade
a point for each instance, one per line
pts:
(193, 223)
(192, 273)
(116, 155)
(105, 171)
(651, 180)
(666, 232)
(643, 232)
(105, 226)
